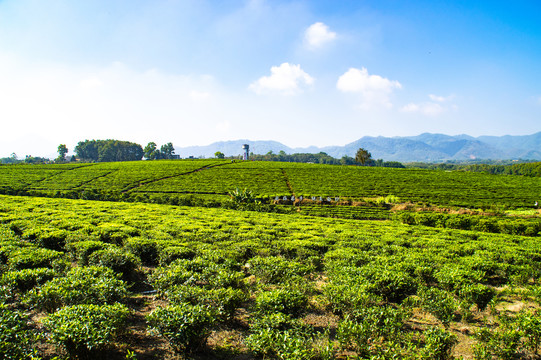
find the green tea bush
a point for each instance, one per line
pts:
(21, 281)
(186, 327)
(478, 294)
(453, 277)
(171, 253)
(503, 343)
(81, 250)
(144, 249)
(16, 338)
(343, 298)
(224, 301)
(287, 301)
(277, 270)
(529, 323)
(369, 328)
(439, 303)
(84, 330)
(392, 285)
(197, 271)
(439, 344)
(81, 285)
(279, 336)
(33, 258)
(45, 237)
(119, 260)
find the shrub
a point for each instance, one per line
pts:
(83, 330)
(477, 294)
(279, 336)
(144, 249)
(502, 344)
(439, 344)
(32, 258)
(371, 327)
(23, 280)
(16, 339)
(392, 285)
(529, 323)
(186, 327)
(50, 238)
(287, 301)
(171, 253)
(224, 301)
(345, 298)
(120, 261)
(276, 270)
(81, 285)
(81, 250)
(198, 271)
(439, 303)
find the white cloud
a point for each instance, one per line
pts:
(441, 98)
(374, 89)
(91, 82)
(317, 35)
(286, 79)
(429, 109)
(199, 96)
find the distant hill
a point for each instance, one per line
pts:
(424, 147)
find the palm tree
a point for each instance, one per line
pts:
(363, 156)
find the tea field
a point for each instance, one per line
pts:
(211, 180)
(269, 260)
(91, 279)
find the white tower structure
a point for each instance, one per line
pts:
(246, 149)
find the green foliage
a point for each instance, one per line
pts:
(21, 281)
(168, 254)
(242, 196)
(276, 270)
(477, 294)
(224, 301)
(16, 338)
(439, 303)
(81, 285)
(33, 258)
(529, 323)
(144, 249)
(186, 327)
(279, 336)
(502, 343)
(287, 301)
(198, 271)
(370, 328)
(108, 150)
(84, 330)
(81, 250)
(118, 260)
(439, 344)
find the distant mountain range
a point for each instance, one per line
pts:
(425, 147)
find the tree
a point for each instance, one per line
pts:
(167, 151)
(219, 155)
(150, 151)
(363, 156)
(62, 151)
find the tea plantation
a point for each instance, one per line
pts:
(387, 264)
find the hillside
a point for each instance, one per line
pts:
(425, 147)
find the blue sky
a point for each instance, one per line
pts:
(301, 72)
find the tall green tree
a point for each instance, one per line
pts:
(219, 155)
(62, 151)
(363, 156)
(150, 151)
(167, 151)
